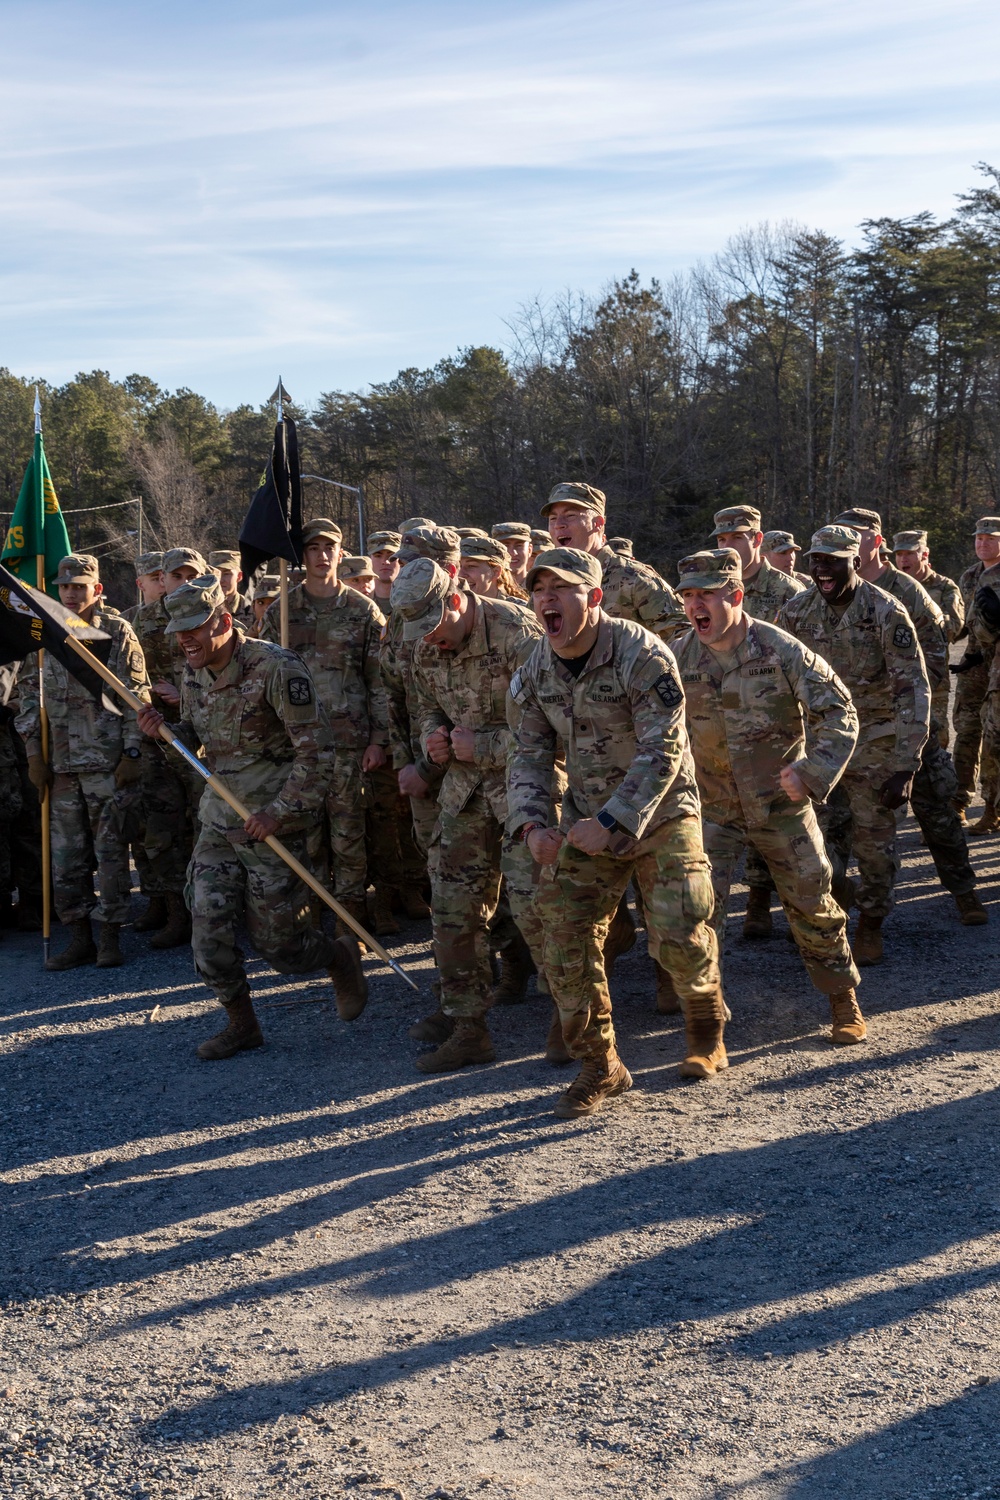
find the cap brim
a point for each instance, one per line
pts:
(79, 578)
(173, 626)
(705, 582)
(563, 574)
(829, 552)
(576, 504)
(986, 533)
(732, 530)
(415, 630)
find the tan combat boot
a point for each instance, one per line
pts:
(621, 936)
(706, 1052)
(434, 1028)
(668, 1002)
(516, 968)
(989, 822)
(177, 930)
(848, 1023)
(470, 1043)
(109, 953)
(757, 923)
(599, 1079)
(155, 915)
(349, 983)
(359, 911)
(867, 945)
(556, 1051)
(415, 908)
(384, 924)
(242, 1033)
(971, 910)
(82, 948)
(959, 807)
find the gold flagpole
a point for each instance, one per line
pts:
(219, 787)
(43, 720)
(283, 602)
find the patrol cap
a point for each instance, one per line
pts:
(78, 567)
(484, 549)
(355, 567)
(710, 569)
(909, 541)
(414, 522)
(148, 562)
(582, 495)
(540, 540)
(511, 531)
(569, 565)
(384, 541)
(225, 557)
(418, 595)
(321, 528)
(780, 541)
(736, 518)
(869, 519)
(988, 526)
(184, 557)
(835, 541)
(465, 531)
(621, 544)
(268, 586)
(193, 603)
(439, 542)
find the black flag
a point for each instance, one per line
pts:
(273, 525)
(30, 621)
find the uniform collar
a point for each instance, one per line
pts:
(602, 652)
(231, 672)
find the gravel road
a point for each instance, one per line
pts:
(312, 1272)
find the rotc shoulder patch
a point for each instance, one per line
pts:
(299, 692)
(902, 637)
(668, 690)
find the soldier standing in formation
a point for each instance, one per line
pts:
(358, 574)
(782, 550)
(516, 539)
(974, 759)
(913, 558)
(383, 549)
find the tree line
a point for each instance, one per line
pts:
(788, 372)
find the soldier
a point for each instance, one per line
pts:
(358, 574)
(477, 531)
(254, 708)
(485, 567)
(170, 790)
(984, 636)
(148, 581)
(869, 640)
(912, 557)
(383, 548)
(336, 631)
(225, 564)
(935, 787)
(973, 759)
(516, 538)
(608, 690)
(267, 589)
(772, 728)
(781, 550)
(621, 544)
(466, 650)
(93, 770)
(540, 542)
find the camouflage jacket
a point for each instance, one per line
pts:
(773, 704)
(767, 590)
(468, 688)
(165, 661)
(264, 732)
(969, 582)
(622, 724)
(932, 633)
(338, 639)
(982, 636)
(873, 648)
(635, 591)
(948, 597)
(82, 735)
(396, 666)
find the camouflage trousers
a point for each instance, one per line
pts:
(88, 833)
(854, 818)
(935, 788)
(168, 818)
(790, 846)
(939, 713)
(233, 879)
(424, 812)
(990, 719)
(578, 896)
(393, 857)
(468, 855)
(337, 839)
(973, 758)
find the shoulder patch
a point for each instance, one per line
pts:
(518, 685)
(299, 691)
(902, 637)
(669, 690)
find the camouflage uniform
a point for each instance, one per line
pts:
(750, 713)
(985, 639)
(86, 743)
(267, 736)
(338, 639)
(973, 759)
(627, 756)
(635, 591)
(467, 688)
(948, 597)
(872, 646)
(392, 848)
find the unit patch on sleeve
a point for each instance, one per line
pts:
(902, 637)
(669, 690)
(299, 691)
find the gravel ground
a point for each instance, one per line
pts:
(312, 1272)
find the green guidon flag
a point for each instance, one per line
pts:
(37, 525)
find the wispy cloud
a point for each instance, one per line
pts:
(201, 192)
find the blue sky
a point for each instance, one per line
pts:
(210, 193)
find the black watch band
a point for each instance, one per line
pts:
(607, 820)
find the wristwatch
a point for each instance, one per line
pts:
(607, 820)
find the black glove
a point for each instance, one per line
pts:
(987, 605)
(969, 660)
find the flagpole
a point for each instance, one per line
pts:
(282, 564)
(221, 790)
(43, 724)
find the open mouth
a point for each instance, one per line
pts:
(702, 621)
(552, 620)
(825, 582)
(563, 539)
